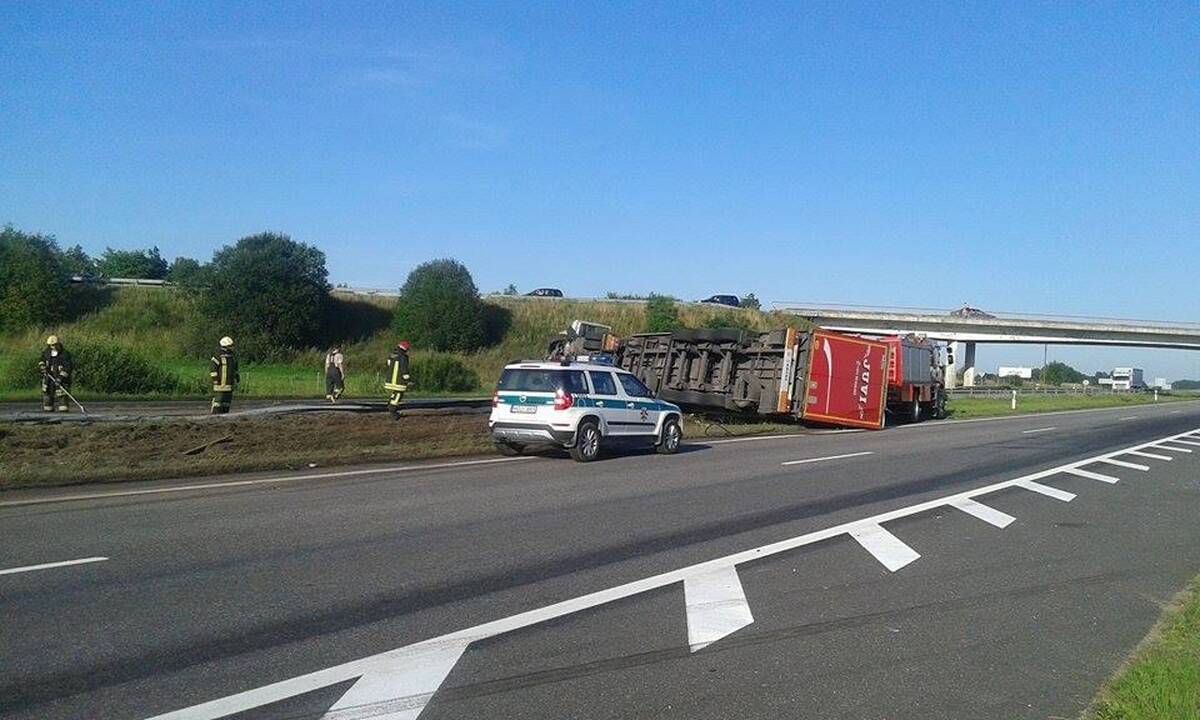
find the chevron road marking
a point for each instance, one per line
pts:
(398, 684)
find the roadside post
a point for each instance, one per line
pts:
(1155, 394)
(1014, 399)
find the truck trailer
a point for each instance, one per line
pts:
(818, 376)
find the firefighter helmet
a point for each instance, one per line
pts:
(226, 341)
(403, 345)
(52, 340)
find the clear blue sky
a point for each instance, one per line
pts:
(1028, 157)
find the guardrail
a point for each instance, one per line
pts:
(1003, 392)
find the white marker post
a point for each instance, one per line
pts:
(1014, 400)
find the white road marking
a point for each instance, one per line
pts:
(827, 457)
(1046, 490)
(47, 566)
(886, 547)
(1174, 412)
(1162, 446)
(984, 512)
(400, 685)
(716, 606)
(291, 687)
(1181, 441)
(1129, 417)
(257, 481)
(1152, 456)
(1039, 430)
(1093, 475)
(1122, 463)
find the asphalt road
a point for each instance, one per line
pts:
(210, 590)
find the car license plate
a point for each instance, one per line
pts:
(526, 409)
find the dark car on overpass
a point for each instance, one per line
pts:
(729, 300)
(545, 292)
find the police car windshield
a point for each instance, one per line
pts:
(535, 380)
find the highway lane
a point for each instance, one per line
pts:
(218, 590)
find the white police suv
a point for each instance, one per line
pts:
(580, 406)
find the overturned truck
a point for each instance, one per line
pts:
(814, 375)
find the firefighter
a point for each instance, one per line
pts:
(396, 382)
(223, 369)
(56, 366)
(335, 374)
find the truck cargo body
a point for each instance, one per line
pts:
(818, 376)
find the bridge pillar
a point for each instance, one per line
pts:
(962, 365)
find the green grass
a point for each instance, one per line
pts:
(965, 408)
(1162, 680)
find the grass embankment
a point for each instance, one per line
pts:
(154, 322)
(1162, 679)
(43, 455)
(966, 408)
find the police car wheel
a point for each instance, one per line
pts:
(587, 442)
(672, 437)
(507, 448)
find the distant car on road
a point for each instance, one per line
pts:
(966, 311)
(729, 300)
(545, 292)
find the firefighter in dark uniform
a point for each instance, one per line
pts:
(223, 369)
(396, 382)
(57, 367)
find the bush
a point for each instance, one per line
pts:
(439, 308)
(183, 270)
(106, 368)
(442, 373)
(33, 282)
(268, 292)
(147, 264)
(20, 371)
(661, 314)
(751, 302)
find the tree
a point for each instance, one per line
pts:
(183, 270)
(750, 302)
(1057, 373)
(77, 262)
(510, 290)
(267, 291)
(439, 308)
(33, 282)
(661, 314)
(146, 264)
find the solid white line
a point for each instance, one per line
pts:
(984, 512)
(47, 566)
(716, 606)
(291, 687)
(827, 457)
(1172, 449)
(886, 547)
(1122, 463)
(1039, 430)
(1046, 490)
(1152, 456)
(1092, 475)
(1181, 441)
(257, 481)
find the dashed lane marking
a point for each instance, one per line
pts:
(1152, 456)
(984, 512)
(400, 683)
(1122, 463)
(1129, 417)
(49, 565)
(1181, 441)
(1093, 475)
(1164, 446)
(1039, 430)
(827, 457)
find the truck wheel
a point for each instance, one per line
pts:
(587, 442)
(939, 406)
(672, 437)
(915, 413)
(508, 449)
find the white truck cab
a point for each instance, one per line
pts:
(580, 406)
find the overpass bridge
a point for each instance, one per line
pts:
(965, 327)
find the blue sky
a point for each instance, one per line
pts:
(1025, 157)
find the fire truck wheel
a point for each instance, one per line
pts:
(915, 413)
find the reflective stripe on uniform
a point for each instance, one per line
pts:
(221, 381)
